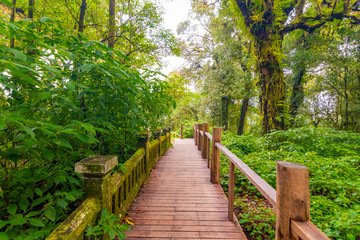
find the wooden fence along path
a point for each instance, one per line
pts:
(180, 202)
(183, 198)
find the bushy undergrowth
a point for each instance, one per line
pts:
(333, 159)
(63, 97)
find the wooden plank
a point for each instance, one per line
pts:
(268, 191)
(180, 202)
(204, 228)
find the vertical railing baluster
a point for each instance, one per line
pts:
(231, 192)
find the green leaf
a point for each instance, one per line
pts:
(87, 67)
(46, 132)
(85, 138)
(44, 95)
(18, 54)
(50, 213)
(12, 208)
(112, 233)
(34, 213)
(46, 19)
(4, 236)
(38, 201)
(62, 203)
(24, 203)
(62, 142)
(49, 155)
(3, 223)
(2, 124)
(52, 69)
(17, 219)
(28, 131)
(36, 222)
(350, 236)
(70, 85)
(38, 191)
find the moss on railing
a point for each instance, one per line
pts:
(114, 191)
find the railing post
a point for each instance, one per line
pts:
(168, 130)
(95, 171)
(215, 157)
(143, 142)
(292, 197)
(181, 131)
(204, 140)
(200, 127)
(196, 133)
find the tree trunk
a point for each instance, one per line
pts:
(224, 112)
(31, 9)
(346, 122)
(82, 15)
(243, 111)
(111, 42)
(272, 83)
(297, 96)
(12, 19)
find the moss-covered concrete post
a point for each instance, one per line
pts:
(95, 171)
(143, 142)
(168, 140)
(157, 135)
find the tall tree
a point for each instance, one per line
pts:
(111, 40)
(31, 9)
(268, 22)
(82, 15)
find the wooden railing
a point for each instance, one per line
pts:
(113, 190)
(182, 130)
(291, 200)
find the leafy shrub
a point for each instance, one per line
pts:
(333, 159)
(63, 97)
(108, 224)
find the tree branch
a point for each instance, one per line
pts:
(246, 12)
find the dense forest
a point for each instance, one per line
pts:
(81, 78)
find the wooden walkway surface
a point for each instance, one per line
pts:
(180, 202)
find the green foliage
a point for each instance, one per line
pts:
(35, 199)
(333, 159)
(63, 97)
(108, 224)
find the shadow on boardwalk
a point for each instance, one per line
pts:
(180, 202)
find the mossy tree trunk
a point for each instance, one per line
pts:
(271, 81)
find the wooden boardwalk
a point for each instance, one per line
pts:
(180, 202)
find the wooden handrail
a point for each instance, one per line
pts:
(291, 201)
(306, 231)
(209, 136)
(268, 191)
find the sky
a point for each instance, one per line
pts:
(176, 11)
